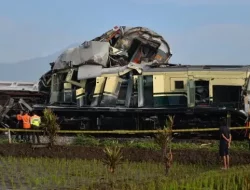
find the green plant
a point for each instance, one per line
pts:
(86, 140)
(109, 142)
(113, 156)
(50, 125)
(164, 139)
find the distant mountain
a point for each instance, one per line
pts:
(28, 70)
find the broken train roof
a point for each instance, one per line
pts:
(118, 49)
(18, 86)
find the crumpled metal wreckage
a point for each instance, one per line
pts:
(120, 49)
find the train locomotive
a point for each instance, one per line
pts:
(124, 80)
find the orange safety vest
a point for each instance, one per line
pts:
(26, 121)
(19, 117)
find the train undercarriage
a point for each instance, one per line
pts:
(71, 117)
(139, 119)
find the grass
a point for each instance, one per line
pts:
(150, 144)
(45, 173)
(85, 140)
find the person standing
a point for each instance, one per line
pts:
(19, 125)
(26, 125)
(247, 133)
(225, 141)
(249, 139)
(35, 121)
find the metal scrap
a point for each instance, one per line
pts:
(122, 48)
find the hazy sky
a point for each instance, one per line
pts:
(199, 31)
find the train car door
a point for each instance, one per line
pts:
(247, 97)
(191, 92)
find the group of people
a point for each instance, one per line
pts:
(28, 121)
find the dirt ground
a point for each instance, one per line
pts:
(185, 156)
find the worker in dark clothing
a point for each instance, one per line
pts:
(19, 125)
(225, 141)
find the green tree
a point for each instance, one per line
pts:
(50, 125)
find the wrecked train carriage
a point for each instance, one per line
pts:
(115, 49)
(16, 96)
(118, 50)
(122, 79)
(141, 97)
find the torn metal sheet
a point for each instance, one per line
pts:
(138, 67)
(115, 70)
(93, 52)
(18, 86)
(89, 71)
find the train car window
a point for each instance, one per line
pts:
(122, 92)
(226, 95)
(177, 100)
(201, 92)
(179, 85)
